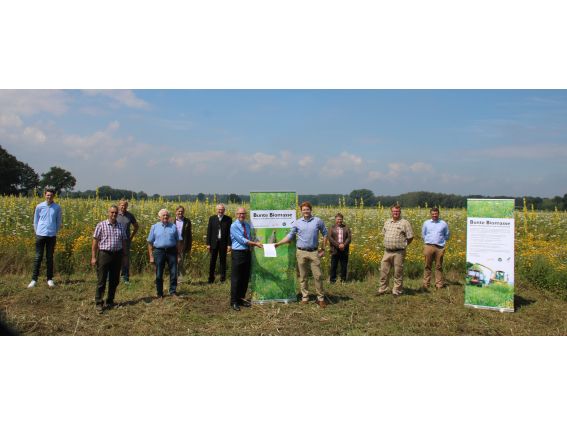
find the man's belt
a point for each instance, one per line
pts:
(172, 248)
(395, 250)
(307, 249)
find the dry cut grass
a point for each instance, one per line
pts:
(203, 309)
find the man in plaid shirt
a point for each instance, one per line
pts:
(108, 254)
(397, 236)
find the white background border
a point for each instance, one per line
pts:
(293, 44)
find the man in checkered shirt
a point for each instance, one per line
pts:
(397, 236)
(108, 254)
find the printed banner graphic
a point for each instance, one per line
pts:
(272, 219)
(490, 254)
(273, 277)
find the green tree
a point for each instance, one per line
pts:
(366, 194)
(58, 179)
(16, 177)
(234, 198)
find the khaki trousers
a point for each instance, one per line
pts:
(396, 259)
(309, 260)
(432, 254)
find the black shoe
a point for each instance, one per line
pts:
(245, 303)
(211, 280)
(235, 306)
(110, 304)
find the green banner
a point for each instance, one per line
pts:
(271, 216)
(490, 254)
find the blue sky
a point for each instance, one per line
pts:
(490, 142)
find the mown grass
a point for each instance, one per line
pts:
(203, 309)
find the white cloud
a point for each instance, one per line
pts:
(305, 161)
(120, 163)
(199, 161)
(102, 141)
(421, 167)
(123, 97)
(34, 135)
(10, 120)
(261, 160)
(536, 151)
(400, 169)
(337, 166)
(30, 102)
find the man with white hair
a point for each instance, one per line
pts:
(218, 241)
(164, 246)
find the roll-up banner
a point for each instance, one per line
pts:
(490, 254)
(273, 272)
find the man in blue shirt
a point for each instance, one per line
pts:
(241, 239)
(47, 221)
(164, 246)
(435, 233)
(308, 252)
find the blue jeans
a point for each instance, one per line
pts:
(161, 257)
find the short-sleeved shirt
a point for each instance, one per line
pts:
(163, 236)
(110, 236)
(307, 232)
(126, 219)
(396, 233)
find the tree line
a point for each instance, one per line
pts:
(18, 178)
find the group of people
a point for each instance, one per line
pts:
(170, 240)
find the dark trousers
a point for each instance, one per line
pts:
(219, 251)
(108, 265)
(47, 244)
(161, 257)
(342, 258)
(126, 267)
(241, 261)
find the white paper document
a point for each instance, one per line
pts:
(270, 250)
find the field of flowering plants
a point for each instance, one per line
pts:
(541, 238)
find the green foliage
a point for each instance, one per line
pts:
(542, 275)
(58, 179)
(16, 177)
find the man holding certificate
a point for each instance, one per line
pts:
(240, 235)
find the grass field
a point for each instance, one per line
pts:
(203, 309)
(540, 290)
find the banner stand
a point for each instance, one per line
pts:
(273, 279)
(489, 280)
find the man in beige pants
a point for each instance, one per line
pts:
(308, 253)
(397, 236)
(435, 233)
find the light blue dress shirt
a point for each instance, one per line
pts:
(307, 232)
(164, 236)
(47, 219)
(435, 232)
(239, 242)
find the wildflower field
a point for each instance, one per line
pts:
(541, 239)
(202, 309)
